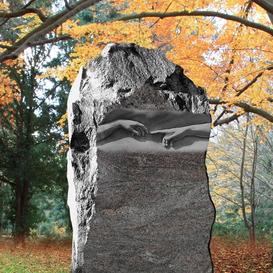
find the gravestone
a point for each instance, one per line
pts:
(138, 186)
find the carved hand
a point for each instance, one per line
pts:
(135, 127)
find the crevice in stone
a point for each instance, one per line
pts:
(79, 142)
(93, 193)
(124, 90)
(166, 96)
(95, 122)
(110, 84)
(84, 73)
(181, 103)
(77, 113)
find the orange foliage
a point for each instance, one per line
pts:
(220, 55)
(8, 87)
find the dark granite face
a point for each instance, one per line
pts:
(153, 131)
(153, 214)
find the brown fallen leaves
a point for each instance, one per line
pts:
(231, 256)
(35, 257)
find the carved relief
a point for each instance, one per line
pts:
(136, 130)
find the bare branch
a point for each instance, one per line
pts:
(227, 199)
(51, 40)
(255, 110)
(6, 180)
(56, 20)
(205, 13)
(265, 5)
(4, 22)
(49, 25)
(28, 4)
(226, 120)
(24, 7)
(157, 20)
(219, 117)
(216, 101)
(22, 12)
(247, 108)
(67, 5)
(249, 84)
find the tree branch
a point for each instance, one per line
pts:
(205, 13)
(6, 180)
(28, 4)
(249, 84)
(216, 101)
(47, 26)
(157, 20)
(54, 21)
(226, 120)
(67, 5)
(219, 117)
(227, 199)
(24, 7)
(51, 40)
(22, 12)
(265, 5)
(255, 110)
(247, 108)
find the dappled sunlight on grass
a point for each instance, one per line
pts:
(35, 257)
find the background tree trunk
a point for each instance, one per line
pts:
(252, 188)
(241, 180)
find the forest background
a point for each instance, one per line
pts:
(224, 46)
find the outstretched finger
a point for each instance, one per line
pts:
(145, 130)
(142, 130)
(165, 142)
(135, 132)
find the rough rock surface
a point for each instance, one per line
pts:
(136, 210)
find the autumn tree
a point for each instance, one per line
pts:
(230, 40)
(241, 178)
(29, 133)
(224, 46)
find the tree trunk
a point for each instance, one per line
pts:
(252, 236)
(241, 180)
(24, 147)
(21, 195)
(1, 208)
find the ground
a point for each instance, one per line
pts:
(35, 257)
(229, 256)
(233, 256)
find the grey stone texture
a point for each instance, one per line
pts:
(138, 210)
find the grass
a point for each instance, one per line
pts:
(35, 257)
(229, 256)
